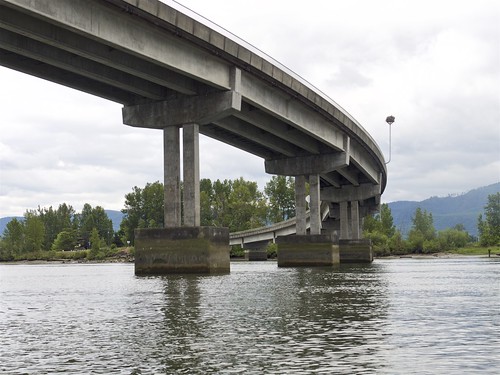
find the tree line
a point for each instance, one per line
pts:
(236, 204)
(49, 229)
(423, 237)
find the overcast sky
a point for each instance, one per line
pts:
(434, 65)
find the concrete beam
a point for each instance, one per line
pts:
(355, 224)
(362, 161)
(344, 220)
(171, 173)
(237, 126)
(225, 136)
(270, 124)
(300, 205)
(191, 170)
(350, 193)
(350, 175)
(68, 41)
(304, 165)
(201, 110)
(81, 66)
(332, 178)
(44, 71)
(128, 33)
(314, 204)
(291, 111)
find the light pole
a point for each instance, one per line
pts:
(390, 121)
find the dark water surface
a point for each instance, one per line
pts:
(400, 316)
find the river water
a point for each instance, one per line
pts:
(398, 316)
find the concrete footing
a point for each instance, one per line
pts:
(355, 251)
(307, 250)
(181, 250)
(256, 254)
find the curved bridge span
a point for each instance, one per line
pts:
(173, 72)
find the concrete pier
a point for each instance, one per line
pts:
(356, 251)
(181, 250)
(255, 254)
(307, 251)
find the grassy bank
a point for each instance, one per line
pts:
(119, 254)
(476, 250)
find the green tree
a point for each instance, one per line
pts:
(97, 218)
(247, 206)
(65, 240)
(422, 232)
(371, 224)
(55, 221)
(13, 239)
(381, 222)
(380, 230)
(220, 203)
(34, 232)
(452, 238)
(386, 221)
(206, 199)
(143, 209)
(95, 244)
(489, 229)
(280, 191)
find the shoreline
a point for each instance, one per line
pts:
(436, 256)
(131, 260)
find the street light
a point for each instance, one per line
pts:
(390, 121)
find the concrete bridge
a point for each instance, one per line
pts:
(172, 72)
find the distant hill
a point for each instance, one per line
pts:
(446, 211)
(116, 217)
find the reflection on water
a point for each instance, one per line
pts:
(393, 316)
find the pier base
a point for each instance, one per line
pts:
(256, 254)
(356, 251)
(307, 250)
(181, 250)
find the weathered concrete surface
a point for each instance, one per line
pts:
(181, 250)
(355, 251)
(307, 251)
(255, 254)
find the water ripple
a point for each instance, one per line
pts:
(393, 316)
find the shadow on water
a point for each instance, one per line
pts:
(181, 323)
(264, 319)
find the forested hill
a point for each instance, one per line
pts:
(446, 211)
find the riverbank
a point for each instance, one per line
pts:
(126, 255)
(443, 255)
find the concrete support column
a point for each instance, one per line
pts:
(191, 171)
(315, 204)
(171, 173)
(300, 204)
(344, 221)
(355, 233)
